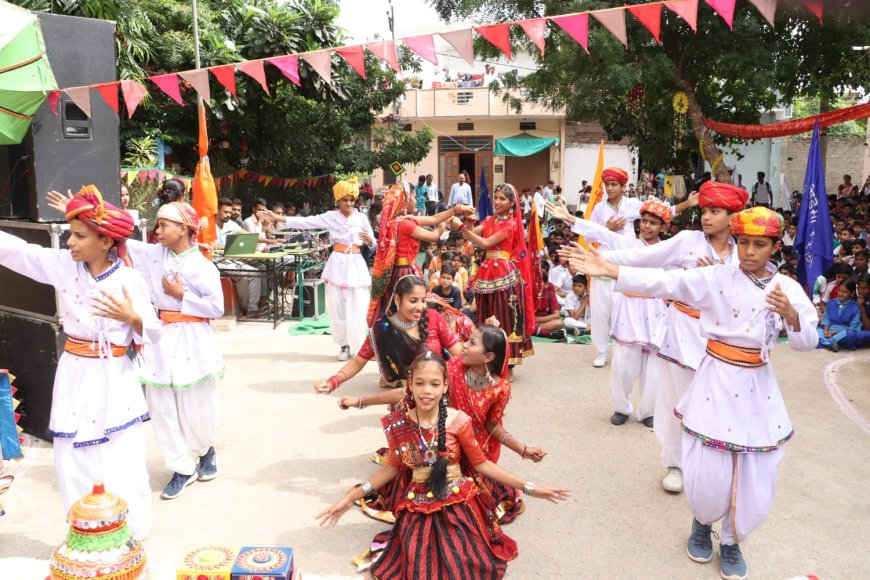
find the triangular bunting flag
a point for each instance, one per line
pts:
(169, 85)
(816, 7)
(131, 177)
(535, 28)
(725, 9)
(614, 21)
(226, 75)
(198, 79)
(499, 35)
(109, 93)
(321, 62)
(767, 8)
(577, 27)
(53, 98)
(386, 51)
(267, 181)
(81, 96)
(650, 15)
(289, 67)
(687, 10)
(355, 57)
(255, 70)
(462, 41)
(424, 46)
(133, 93)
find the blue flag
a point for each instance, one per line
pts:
(484, 204)
(814, 243)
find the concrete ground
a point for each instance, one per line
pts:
(285, 453)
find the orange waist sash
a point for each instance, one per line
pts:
(639, 296)
(171, 317)
(88, 348)
(402, 262)
(686, 309)
(346, 249)
(740, 356)
(498, 255)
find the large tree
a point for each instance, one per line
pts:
(728, 76)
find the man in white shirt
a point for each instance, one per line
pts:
(548, 190)
(247, 288)
(433, 196)
(460, 193)
(540, 202)
(254, 226)
(761, 194)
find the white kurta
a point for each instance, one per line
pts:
(94, 399)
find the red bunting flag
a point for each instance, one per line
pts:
(767, 8)
(462, 41)
(687, 10)
(169, 85)
(355, 57)
(614, 21)
(133, 93)
(255, 70)
(499, 35)
(226, 75)
(577, 27)
(650, 15)
(109, 92)
(725, 9)
(535, 29)
(424, 46)
(321, 62)
(816, 7)
(81, 96)
(386, 51)
(289, 67)
(198, 79)
(53, 98)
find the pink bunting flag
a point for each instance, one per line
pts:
(424, 46)
(53, 98)
(462, 41)
(535, 29)
(386, 51)
(81, 96)
(725, 9)
(133, 93)
(198, 79)
(226, 75)
(816, 7)
(687, 10)
(577, 27)
(650, 15)
(109, 92)
(289, 67)
(499, 35)
(255, 70)
(169, 85)
(614, 21)
(767, 8)
(321, 62)
(355, 57)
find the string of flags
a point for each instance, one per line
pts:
(155, 174)
(576, 25)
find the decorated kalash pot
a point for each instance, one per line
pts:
(256, 563)
(99, 543)
(208, 563)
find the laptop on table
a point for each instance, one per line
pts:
(241, 244)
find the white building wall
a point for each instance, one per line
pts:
(581, 161)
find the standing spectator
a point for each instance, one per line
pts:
(847, 188)
(527, 203)
(366, 193)
(548, 190)
(460, 193)
(761, 194)
(433, 196)
(540, 201)
(660, 183)
(421, 191)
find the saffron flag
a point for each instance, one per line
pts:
(814, 242)
(204, 190)
(484, 204)
(597, 184)
(535, 243)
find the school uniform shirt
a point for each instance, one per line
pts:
(453, 297)
(561, 278)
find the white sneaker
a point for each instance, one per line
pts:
(673, 481)
(600, 361)
(344, 354)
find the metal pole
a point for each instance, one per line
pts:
(196, 45)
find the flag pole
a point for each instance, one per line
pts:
(196, 60)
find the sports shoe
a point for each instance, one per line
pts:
(731, 562)
(344, 354)
(177, 484)
(208, 465)
(648, 422)
(618, 418)
(673, 481)
(700, 545)
(600, 361)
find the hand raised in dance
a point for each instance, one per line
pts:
(693, 199)
(551, 494)
(705, 261)
(454, 224)
(615, 223)
(778, 302)
(172, 285)
(536, 454)
(58, 201)
(330, 516)
(268, 216)
(592, 263)
(366, 238)
(560, 212)
(107, 306)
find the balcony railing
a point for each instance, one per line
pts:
(466, 102)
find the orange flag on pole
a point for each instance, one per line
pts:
(204, 190)
(597, 191)
(535, 244)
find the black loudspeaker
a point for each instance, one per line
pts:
(67, 150)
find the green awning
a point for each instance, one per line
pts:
(522, 145)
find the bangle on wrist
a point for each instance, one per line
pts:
(366, 488)
(529, 488)
(457, 209)
(523, 454)
(361, 404)
(335, 381)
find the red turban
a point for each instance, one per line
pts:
(614, 174)
(104, 218)
(729, 197)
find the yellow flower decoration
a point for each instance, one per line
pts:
(681, 103)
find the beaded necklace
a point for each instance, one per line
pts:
(429, 452)
(107, 273)
(394, 320)
(761, 283)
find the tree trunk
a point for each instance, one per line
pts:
(711, 151)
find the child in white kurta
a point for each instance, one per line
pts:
(180, 371)
(97, 405)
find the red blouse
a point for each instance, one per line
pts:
(407, 246)
(438, 339)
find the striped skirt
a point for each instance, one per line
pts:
(505, 299)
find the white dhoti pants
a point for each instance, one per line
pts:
(630, 364)
(347, 308)
(185, 422)
(601, 303)
(672, 382)
(737, 488)
(119, 463)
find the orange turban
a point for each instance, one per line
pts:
(180, 213)
(729, 197)
(757, 221)
(614, 174)
(104, 218)
(659, 209)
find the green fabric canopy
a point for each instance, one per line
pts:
(522, 145)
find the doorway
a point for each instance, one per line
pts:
(472, 154)
(466, 163)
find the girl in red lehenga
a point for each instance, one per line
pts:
(399, 240)
(440, 530)
(503, 283)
